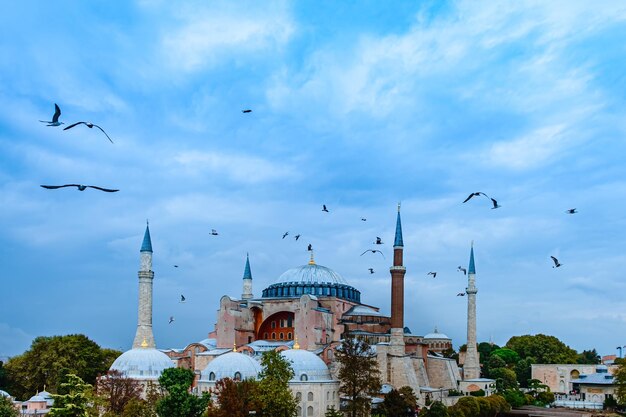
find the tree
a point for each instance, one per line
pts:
(467, 406)
(485, 349)
(358, 375)
(409, 397)
(4, 377)
(331, 412)
(509, 356)
(49, 359)
(235, 399)
(542, 348)
(437, 409)
(494, 362)
(6, 407)
(505, 379)
(590, 357)
(116, 390)
(620, 379)
(395, 404)
(75, 398)
(515, 397)
(523, 370)
(274, 393)
(178, 401)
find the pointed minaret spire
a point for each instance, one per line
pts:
(247, 281)
(471, 367)
(398, 240)
(144, 337)
(472, 268)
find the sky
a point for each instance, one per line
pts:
(356, 105)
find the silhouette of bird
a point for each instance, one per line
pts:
(246, 111)
(214, 232)
(182, 298)
(476, 194)
(371, 270)
(434, 274)
(373, 251)
(285, 234)
(556, 262)
(363, 219)
(296, 237)
(462, 270)
(309, 248)
(55, 117)
(495, 203)
(175, 266)
(461, 294)
(171, 320)
(571, 211)
(90, 126)
(324, 208)
(379, 241)
(80, 187)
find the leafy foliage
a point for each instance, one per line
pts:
(542, 349)
(505, 379)
(116, 390)
(398, 402)
(274, 393)
(235, 399)
(479, 406)
(178, 401)
(331, 412)
(485, 349)
(620, 380)
(358, 375)
(515, 398)
(6, 408)
(75, 398)
(49, 359)
(509, 356)
(437, 409)
(589, 357)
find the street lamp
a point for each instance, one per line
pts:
(620, 351)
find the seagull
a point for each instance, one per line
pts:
(80, 187)
(285, 234)
(434, 274)
(379, 241)
(495, 203)
(556, 262)
(90, 126)
(363, 219)
(324, 208)
(571, 211)
(214, 232)
(476, 194)
(171, 320)
(297, 237)
(175, 266)
(182, 298)
(309, 248)
(373, 251)
(55, 117)
(462, 270)
(246, 111)
(461, 294)
(371, 270)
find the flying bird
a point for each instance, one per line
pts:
(246, 111)
(296, 237)
(214, 232)
(373, 251)
(495, 203)
(571, 211)
(55, 117)
(462, 270)
(324, 208)
(434, 274)
(285, 234)
(80, 187)
(90, 126)
(379, 241)
(309, 248)
(182, 298)
(371, 270)
(556, 262)
(363, 219)
(476, 194)
(461, 294)
(175, 266)
(171, 320)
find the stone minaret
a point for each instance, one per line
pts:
(471, 367)
(144, 337)
(247, 281)
(397, 292)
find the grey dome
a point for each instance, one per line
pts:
(229, 364)
(311, 274)
(436, 335)
(4, 394)
(142, 363)
(307, 366)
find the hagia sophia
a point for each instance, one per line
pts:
(305, 314)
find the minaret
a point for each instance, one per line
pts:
(471, 367)
(247, 281)
(397, 292)
(144, 337)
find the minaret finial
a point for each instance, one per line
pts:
(146, 245)
(472, 267)
(398, 240)
(296, 345)
(247, 272)
(234, 346)
(312, 261)
(144, 344)
(399, 207)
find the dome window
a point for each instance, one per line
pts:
(237, 376)
(212, 376)
(304, 378)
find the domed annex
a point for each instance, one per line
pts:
(307, 366)
(233, 365)
(142, 363)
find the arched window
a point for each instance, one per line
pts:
(265, 335)
(304, 377)
(237, 376)
(273, 324)
(309, 396)
(212, 376)
(298, 396)
(327, 395)
(299, 411)
(282, 336)
(289, 336)
(309, 411)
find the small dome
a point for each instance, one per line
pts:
(307, 366)
(37, 398)
(4, 394)
(142, 363)
(47, 396)
(436, 335)
(311, 274)
(232, 365)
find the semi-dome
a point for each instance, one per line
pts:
(142, 363)
(312, 279)
(233, 365)
(307, 366)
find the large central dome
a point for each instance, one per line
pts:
(311, 274)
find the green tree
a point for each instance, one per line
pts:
(116, 390)
(235, 399)
(395, 404)
(409, 397)
(178, 401)
(49, 359)
(620, 379)
(274, 393)
(6, 408)
(523, 370)
(590, 357)
(359, 376)
(485, 349)
(75, 398)
(437, 409)
(331, 412)
(4, 377)
(494, 362)
(515, 398)
(505, 379)
(542, 348)
(509, 356)
(468, 406)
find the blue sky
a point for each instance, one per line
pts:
(356, 105)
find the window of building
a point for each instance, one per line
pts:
(289, 322)
(273, 336)
(298, 396)
(237, 376)
(265, 335)
(212, 376)
(273, 324)
(309, 396)
(289, 336)
(309, 411)
(299, 411)
(304, 377)
(282, 336)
